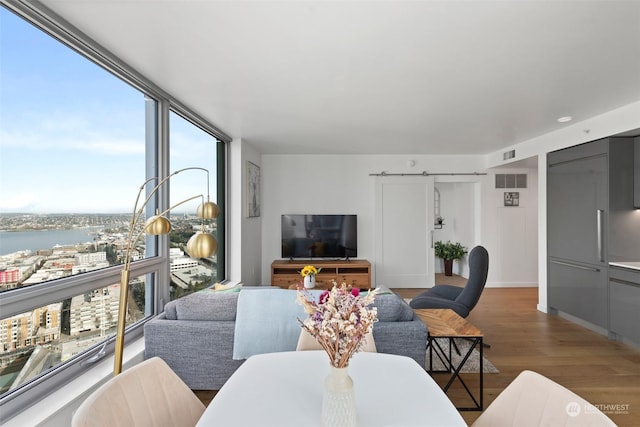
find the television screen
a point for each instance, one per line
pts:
(319, 236)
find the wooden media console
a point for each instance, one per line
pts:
(356, 272)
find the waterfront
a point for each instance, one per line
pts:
(14, 241)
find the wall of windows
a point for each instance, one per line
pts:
(191, 147)
(76, 144)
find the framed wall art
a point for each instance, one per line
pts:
(511, 198)
(253, 190)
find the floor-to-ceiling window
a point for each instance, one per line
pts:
(191, 147)
(77, 143)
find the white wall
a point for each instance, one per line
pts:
(341, 184)
(319, 185)
(513, 231)
(245, 234)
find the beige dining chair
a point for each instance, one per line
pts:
(532, 400)
(147, 394)
(308, 342)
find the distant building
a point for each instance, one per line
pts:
(90, 258)
(175, 253)
(96, 310)
(183, 264)
(89, 261)
(77, 269)
(45, 276)
(179, 261)
(39, 326)
(9, 276)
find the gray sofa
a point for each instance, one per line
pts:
(195, 335)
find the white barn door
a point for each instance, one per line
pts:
(404, 232)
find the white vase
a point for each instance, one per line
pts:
(338, 399)
(310, 281)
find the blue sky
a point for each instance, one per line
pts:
(72, 135)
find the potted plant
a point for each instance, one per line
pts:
(449, 252)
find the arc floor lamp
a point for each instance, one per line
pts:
(200, 245)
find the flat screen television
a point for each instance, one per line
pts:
(319, 236)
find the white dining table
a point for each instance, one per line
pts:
(285, 389)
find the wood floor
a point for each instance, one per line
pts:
(602, 371)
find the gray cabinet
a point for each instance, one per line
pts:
(624, 303)
(589, 198)
(579, 289)
(577, 204)
(577, 200)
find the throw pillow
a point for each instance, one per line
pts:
(392, 308)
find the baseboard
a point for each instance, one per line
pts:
(588, 325)
(616, 337)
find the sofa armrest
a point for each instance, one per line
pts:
(403, 338)
(199, 352)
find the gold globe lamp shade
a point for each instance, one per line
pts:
(202, 245)
(208, 210)
(157, 225)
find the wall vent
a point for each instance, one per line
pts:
(508, 155)
(511, 180)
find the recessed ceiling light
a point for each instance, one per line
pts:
(565, 119)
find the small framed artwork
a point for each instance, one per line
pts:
(253, 190)
(511, 198)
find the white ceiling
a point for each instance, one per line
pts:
(385, 77)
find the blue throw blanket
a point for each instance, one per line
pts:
(267, 321)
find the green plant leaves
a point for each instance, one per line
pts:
(449, 250)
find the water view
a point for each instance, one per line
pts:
(14, 241)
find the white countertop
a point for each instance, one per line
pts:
(626, 264)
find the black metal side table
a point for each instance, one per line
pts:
(446, 323)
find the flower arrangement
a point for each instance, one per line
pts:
(309, 270)
(339, 320)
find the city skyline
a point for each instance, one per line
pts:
(72, 138)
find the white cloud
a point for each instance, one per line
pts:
(19, 202)
(40, 141)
